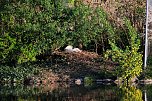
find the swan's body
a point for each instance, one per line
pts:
(76, 50)
(70, 49)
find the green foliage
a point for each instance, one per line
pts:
(130, 93)
(27, 24)
(88, 81)
(16, 74)
(102, 28)
(129, 59)
(7, 45)
(32, 27)
(20, 90)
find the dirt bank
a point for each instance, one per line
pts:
(64, 67)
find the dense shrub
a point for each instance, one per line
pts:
(32, 27)
(129, 59)
(17, 74)
(27, 29)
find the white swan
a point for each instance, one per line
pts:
(70, 49)
(76, 50)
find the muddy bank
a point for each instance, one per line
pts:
(69, 67)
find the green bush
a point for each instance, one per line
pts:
(17, 74)
(32, 27)
(129, 59)
(26, 29)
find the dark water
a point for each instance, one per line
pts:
(64, 92)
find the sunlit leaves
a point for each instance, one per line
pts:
(129, 59)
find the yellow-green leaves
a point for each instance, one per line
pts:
(129, 59)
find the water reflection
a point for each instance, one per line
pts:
(130, 93)
(147, 92)
(67, 92)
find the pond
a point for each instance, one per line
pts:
(72, 92)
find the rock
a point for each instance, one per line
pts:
(78, 81)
